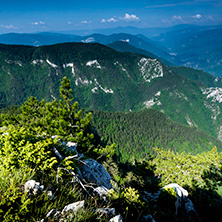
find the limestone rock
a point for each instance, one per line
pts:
(189, 209)
(94, 172)
(101, 191)
(181, 192)
(73, 207)
(183, 203)
(50, 194)
(117, 218)
(53, 214)
(33, 186)
(67, 212)
(71, 146)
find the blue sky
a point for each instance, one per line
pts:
(57, 15)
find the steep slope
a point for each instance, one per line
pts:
(136, 133)
(105, 79)
(100, 74)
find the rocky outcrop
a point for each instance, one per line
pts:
(183, 206)
(67, 214)
(94, 172)
(117, 218)
(33, 187)
(182, 195)
(71, 211)
(74, 207)
(71, 146)
(90, 172)
(101, 192)
(183, 203)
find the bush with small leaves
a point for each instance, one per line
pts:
(19, 148)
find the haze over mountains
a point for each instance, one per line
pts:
(134, 72)
(197, 47)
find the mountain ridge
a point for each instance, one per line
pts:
(105, 79)
(197, 47)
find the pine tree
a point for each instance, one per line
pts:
(62, 118)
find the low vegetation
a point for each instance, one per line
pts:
(26, 152)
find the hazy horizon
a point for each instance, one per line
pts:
(42, 16)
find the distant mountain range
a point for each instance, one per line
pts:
(148, 32)
(105, 79)
(200, 49)
(122, 46)
(52, 38)
(184, 45)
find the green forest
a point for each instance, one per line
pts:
(123, 81)
(137, 133)
(32, 147)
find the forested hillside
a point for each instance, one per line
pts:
(30, 152)
(105, 79)
(137, 133)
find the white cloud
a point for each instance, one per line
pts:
(109, 20)
(165, 21)
(9, 26)
(38, 23)
(69, 23)
(127, 18)
(210, 18)
(131, 18)
(112, 20)
(177, 17)
(197, 16)
(86, 22)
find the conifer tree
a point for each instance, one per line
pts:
(62, 118)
